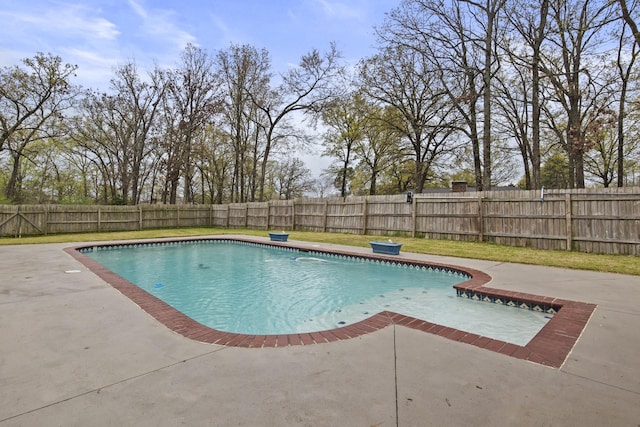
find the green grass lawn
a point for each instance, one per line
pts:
(486, 251)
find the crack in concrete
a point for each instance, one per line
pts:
(395, 374)
(600, 382)
(122, 381)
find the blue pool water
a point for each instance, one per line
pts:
(254, 289)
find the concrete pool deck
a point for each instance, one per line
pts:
(75, 351)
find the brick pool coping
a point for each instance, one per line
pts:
(549, 347)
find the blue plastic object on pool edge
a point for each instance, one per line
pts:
(387, 248)
(278, 237)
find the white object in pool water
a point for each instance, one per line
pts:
(309, 259)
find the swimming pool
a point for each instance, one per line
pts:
(247, 288)
(551, 346)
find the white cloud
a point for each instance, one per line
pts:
(10, 57)
(79, 34)
(138, 9)
(71, 20)
(99, 34)
(86, 56)
(220, 25)
(337, 9)
(159, 24)
(225, 34)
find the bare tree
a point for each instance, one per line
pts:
(305, 88)
(192, 98)
(513, 101)
(381, 144)
(117, 128)
(600, 162)
(625, 62)
(32, 102)
(323, 185)
(344, 120)
(402, 79)
(530, 24)
(142, 98)
(577, 31)
(486, 15)
(459, 38)
(290, 178)
(213, 158)
(627, 10)
(245, 73)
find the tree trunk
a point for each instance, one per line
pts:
(475, 146)
(535, 122)
(630, 21)
(527, 169)
(263, 167)
(620, 148)
(486, 99)
(343, 179)
(173, 192)
(12, 191)
(579, 165)
(374, 177)
(535, 99)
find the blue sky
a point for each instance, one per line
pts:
(97, 35)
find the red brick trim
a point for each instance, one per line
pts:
(550, 346)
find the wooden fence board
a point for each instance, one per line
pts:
(592, 220)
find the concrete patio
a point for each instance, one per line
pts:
(76, 352)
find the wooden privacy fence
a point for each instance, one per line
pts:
(595, 220)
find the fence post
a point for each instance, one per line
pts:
(268, 213)
(414, 214)
(46, 220)
(480, 220)
(324, 219)
(246, 215)
(140, 218)
(293, 214)
(364, 216)
(99, 219)
(19, 218)
(569, 225)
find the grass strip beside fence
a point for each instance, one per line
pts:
(622, 264)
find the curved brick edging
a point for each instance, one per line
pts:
(550, 346)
